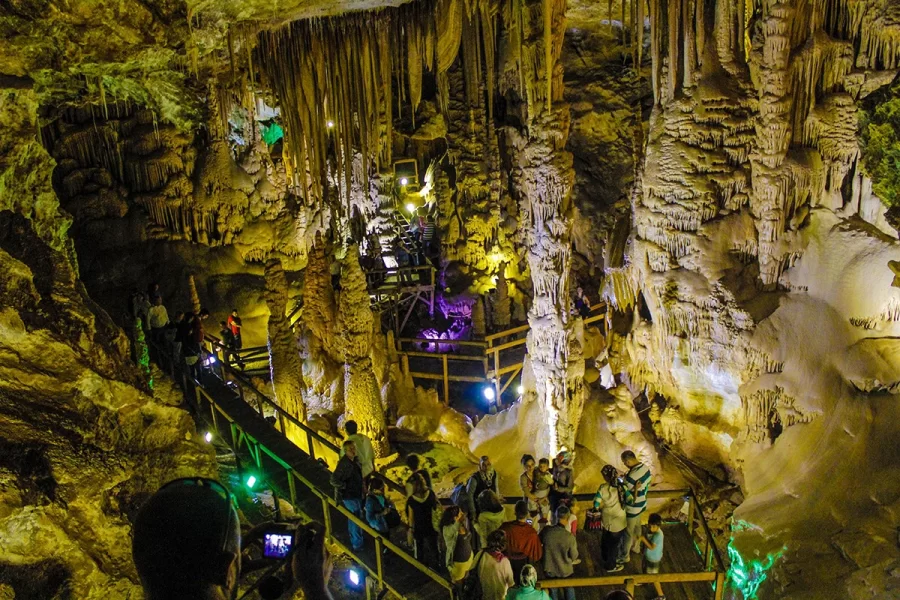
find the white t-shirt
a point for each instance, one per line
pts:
(612, 513)
(157, 316)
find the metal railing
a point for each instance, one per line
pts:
(493, 353)
(239, 437)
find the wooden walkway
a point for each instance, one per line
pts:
(282, 467)
(679, 556)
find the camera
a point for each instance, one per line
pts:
(277, 544)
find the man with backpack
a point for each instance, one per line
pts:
(636, 484)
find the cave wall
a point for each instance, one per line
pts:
(767, 286)
(83, 439)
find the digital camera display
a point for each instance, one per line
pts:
(277, 545)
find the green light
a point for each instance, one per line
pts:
(747, 575)
(251, 481)
(271, 133)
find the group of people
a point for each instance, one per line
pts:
(471, 537)
(182, 337)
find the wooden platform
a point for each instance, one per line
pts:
(679, 556)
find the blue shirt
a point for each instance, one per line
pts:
(656, 539)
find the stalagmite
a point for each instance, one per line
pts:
(195, 298)
(354, 330)
(284, 359)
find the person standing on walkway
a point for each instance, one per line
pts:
(522, 542)
(636, 484)
(483, 479)
(158, 319)
(364, 450)
(413, 461)
(347, 480)
(490, 515)
(494, 568)
(653, 551)
(609, 501)
(420, 507)
(563, 480)
(560, 553)
(526, 483)
(527, 589)
(234, 323)
(457, 541)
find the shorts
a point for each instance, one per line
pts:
(651, 567)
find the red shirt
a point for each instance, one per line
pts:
(235, 324)
(522, 540)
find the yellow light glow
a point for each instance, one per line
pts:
(410, 207)
(330, 124)
(404, 181)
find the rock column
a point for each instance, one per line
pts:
(355, 322)
(284, 358)
(542, 179)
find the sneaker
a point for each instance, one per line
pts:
(660, 598)
(617, 568)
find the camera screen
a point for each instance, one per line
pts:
(277, 545)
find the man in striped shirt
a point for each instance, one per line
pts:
(636, 483)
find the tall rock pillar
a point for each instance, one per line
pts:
(284, 357)
(542, 178)
(355, 322)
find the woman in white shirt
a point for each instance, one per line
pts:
(609, 502)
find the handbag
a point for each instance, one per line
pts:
(593, 520)
(392, 517)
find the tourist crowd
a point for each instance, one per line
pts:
(182, 338)
(491, 558)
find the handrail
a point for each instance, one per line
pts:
(417, 340)
(311, 433)
(326, 499)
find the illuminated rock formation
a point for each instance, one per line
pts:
(353, 340)
(284, 357)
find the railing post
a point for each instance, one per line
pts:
(405, 362)
(690, 517)
(378, 562)
(720, 586)
(327, 517)
(446, 380)
(309, 444)
(709, 555)
(497, 376)
(281, 422)
(629, 586)
(292, 486)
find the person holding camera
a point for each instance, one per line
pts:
(187, 544)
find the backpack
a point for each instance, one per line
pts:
(471, 588)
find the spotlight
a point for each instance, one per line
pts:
(489, 394)
(210, 360)
(330, 124)
(355, 577)
(208, 437)
(404, 181)
(520, 390)
(251, 481)
(411, 208)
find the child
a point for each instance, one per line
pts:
(653, 550)
(380, 512)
